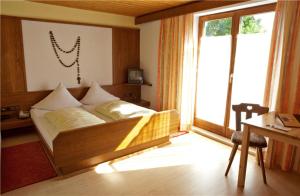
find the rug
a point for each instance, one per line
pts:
(23, 165)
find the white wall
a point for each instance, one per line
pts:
(43, 70)
(149, 40)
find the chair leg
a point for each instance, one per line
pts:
(262, 165)
(232, 154)
(257, 157)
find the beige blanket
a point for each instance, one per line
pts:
(121, 110)
(71, 118)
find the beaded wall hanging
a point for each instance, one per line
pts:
(55, 46)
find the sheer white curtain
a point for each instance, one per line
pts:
(188, 80)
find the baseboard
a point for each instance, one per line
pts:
(219, 138)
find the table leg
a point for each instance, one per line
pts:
(244, 156)
(269, 154)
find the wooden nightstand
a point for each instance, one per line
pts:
(14, 123)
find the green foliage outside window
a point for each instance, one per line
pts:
(218, 27)
(223, 26)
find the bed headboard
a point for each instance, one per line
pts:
(27, 99)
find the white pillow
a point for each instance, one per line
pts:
(57, 99)
(97, 95)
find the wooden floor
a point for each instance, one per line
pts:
(191, 165)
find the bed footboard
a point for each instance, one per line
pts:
(88, 146)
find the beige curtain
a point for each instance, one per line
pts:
(176, 75)
(285, 81)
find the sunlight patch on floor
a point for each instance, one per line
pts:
(175, 154)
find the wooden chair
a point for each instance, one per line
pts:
(257, 141)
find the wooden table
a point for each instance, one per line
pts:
(261, 126)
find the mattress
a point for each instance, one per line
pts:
(48, 131)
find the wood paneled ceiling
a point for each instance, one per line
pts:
(123, 7)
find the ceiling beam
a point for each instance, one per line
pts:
(195, 6)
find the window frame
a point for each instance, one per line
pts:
(236, 16)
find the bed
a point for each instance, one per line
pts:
(84, 147)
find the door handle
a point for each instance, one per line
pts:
(230, 78)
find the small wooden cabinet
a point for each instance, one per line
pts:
(14, 123)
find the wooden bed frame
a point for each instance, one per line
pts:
(85, 147)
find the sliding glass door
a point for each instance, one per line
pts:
(213, 72)
(232, 67)
(251, 61)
